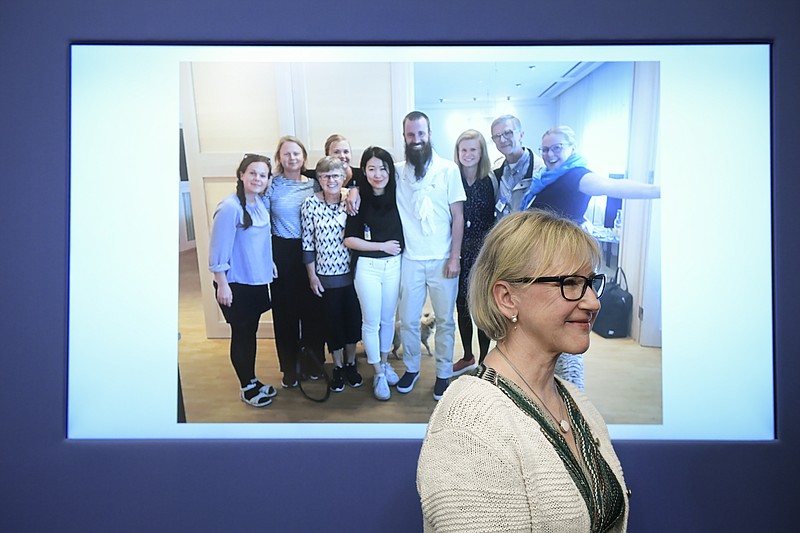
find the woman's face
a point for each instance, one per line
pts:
(341, 151)
(377, 174)
(256, 178)
(469, 153)
(555, 150)
(291, 156)
(331, 182)
(551, 323)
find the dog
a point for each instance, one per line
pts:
(426, 326)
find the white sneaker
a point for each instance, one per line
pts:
(380, 387)
(391, 376)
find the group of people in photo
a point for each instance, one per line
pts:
(340, 252)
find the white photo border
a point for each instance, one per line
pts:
(717, 355)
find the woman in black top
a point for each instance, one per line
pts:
(376, 235)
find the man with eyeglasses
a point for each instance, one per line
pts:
(514, 175)
(430, 200)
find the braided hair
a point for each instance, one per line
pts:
(246, 162)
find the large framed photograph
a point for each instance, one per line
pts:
(157, 133)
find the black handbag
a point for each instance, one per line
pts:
(614, 319)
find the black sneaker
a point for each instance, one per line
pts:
(289, 381)
(440, 387)
(407, 382)
(352, 375)
(337, 381)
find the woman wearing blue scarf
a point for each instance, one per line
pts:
(566, 185)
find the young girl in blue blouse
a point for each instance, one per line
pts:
(240, 257)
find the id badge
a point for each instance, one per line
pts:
(367, 233)
(501, 204)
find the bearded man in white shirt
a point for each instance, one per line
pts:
(430, 199)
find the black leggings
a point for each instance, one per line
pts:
(249, 302)
(243, 350)
(465, 328)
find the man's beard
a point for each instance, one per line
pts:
(419, 159)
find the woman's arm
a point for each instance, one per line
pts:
(353, 200)
(466, 484)
(310, 245)
(453, 267)
(388, 247)
(313, 279)
(224, 294)
(596, 185)
(220, 249)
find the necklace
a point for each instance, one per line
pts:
(563, 425)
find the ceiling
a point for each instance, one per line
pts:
(463, 82)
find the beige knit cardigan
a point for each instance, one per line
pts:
(486, 466)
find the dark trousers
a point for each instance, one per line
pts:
(297, 314)
(343, 316)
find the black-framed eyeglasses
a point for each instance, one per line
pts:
(573, 287)
(508, 134)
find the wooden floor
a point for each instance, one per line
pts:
(622, 378)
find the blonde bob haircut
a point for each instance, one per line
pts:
(525, 244)
(289, 139)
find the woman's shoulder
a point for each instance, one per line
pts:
(229, 203)
(311, 201)
(469, 402)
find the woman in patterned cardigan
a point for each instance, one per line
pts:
(514, 448)
(327, 261)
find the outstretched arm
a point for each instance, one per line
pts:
(596, 185)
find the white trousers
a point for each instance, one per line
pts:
(377, 283)
(418, 279)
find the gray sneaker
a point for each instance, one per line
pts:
(380, 387)
(391, 376)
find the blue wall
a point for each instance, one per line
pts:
(50, 484)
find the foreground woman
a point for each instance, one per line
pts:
(514, 448)
(240, 258)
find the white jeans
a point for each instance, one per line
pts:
(377, 284)
(419, 278)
